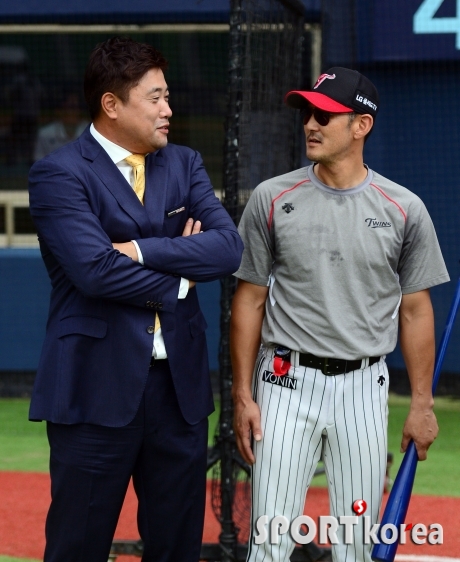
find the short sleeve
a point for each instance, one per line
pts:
(258, 254)
(421, 264)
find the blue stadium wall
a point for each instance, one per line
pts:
(24, 299)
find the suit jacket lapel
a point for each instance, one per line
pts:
(156, 185)
(114, 181)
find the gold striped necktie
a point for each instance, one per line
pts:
(137, 161)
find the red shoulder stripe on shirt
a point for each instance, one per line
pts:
(391, 200)
(272, 207)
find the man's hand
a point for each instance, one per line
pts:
(420, 426)
(128, 249)
(246, 423)
(248, 310)
(418, 348)
(189, 229)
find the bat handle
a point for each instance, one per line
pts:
(398, 501)
(397, 505)
(446, 335)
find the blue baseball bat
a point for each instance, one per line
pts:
(398, 502)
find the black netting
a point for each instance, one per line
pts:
(266, 47)
(265, 61)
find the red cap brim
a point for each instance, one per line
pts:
(297, 100)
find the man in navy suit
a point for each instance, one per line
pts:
(121, 397)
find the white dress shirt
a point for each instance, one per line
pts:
(118, 154)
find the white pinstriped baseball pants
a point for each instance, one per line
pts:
(342, 418)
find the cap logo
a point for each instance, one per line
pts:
(321, 79)
(361, 98)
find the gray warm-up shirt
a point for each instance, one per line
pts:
(337, 261)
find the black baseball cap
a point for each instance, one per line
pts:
(338, 90)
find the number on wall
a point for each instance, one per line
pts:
(425, 22)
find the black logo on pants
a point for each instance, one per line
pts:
(284, 381)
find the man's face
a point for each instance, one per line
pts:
(143, 121)
(329, 143)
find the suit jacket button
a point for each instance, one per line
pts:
(160, 305)
(151, 330)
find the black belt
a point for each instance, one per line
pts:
(330, 366)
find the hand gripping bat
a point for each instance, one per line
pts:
(398, 502)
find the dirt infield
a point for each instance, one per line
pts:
(24, 499)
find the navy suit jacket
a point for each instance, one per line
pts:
(98, 344)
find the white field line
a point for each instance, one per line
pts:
(423, 558)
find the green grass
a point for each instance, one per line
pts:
(439, 475)
(11, 559)
(213, 421)
(24, 446)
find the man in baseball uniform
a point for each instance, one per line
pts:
(336, 257)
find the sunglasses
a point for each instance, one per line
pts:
(321, 117)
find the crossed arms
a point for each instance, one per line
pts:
(130, 250)
(73, 234)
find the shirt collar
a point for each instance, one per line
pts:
(115, 152)
(340, 192)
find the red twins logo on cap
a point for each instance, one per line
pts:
(321, 79)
